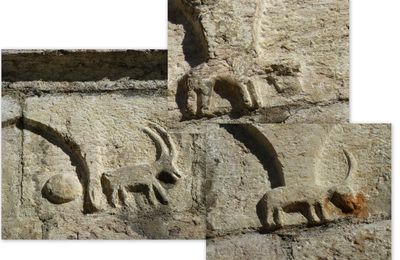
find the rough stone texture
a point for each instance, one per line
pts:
(89, 151)
(11, 150)
(259, 60)
(245, 162)
(270, 184)
(10, 109)
(362, 241)
(247, 246)
(82, 65)
(101, 145)
(107, 132)
(344, 240)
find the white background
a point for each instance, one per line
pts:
(138, 24)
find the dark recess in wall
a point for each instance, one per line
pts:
(83, 65)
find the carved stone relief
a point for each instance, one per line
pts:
(101, 145)
(100, 163)
(251, 59)
(275, 182)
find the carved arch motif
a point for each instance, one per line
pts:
(69, 146)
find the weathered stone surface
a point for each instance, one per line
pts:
(281, 175)
(341, 240)
(104, 85)
(105, 150)
(240, 58)
(247, 246)
(363, 241)
(107, 143)
(82, 65)
(10, 109)
(97, 159)
(11, 168)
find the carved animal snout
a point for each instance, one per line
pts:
(354, 204)
(168, 177)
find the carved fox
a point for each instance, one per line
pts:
(145, 178)
(306, 199)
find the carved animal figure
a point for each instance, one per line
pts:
(233, 65)
(309, 200)
(145, 178)
(202, 81)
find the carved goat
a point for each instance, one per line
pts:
(145, 178)
(309, 200)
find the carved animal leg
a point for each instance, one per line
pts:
(122, 196)
(311, 216)
(270, 219)
(109, 190)
(151, 197)
(192, 102)
(159, 193)
(205, 98)
(278, 217)
(256, 100)
(247, 101)
(262, 211)
(199, 96)
(321, 212)
(112, 195)
(199, 86)
(265, 214)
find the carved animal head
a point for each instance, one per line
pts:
(167, 171)
(343, 196)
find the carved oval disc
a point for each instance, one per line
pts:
(62, 188)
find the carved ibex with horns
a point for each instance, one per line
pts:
(309, 200)
(145, 178)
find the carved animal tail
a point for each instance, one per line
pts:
(352, 165)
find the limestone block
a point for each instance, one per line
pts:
(123, 85)
(10, 110)
(274, 176)
(21, 228)
(364, 241)
(247, 246)
(96, 146)
(11, 167)
(247, 59)
(342, 240)
(83, 65)
(93, 148)
(101, 158)
(12, 156)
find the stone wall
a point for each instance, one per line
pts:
(298, 191)
(86, 154)
(238, 134)
(263, 61)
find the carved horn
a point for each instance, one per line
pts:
(352, 164)
(163, 141)
(167, 139)
(158, 141)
